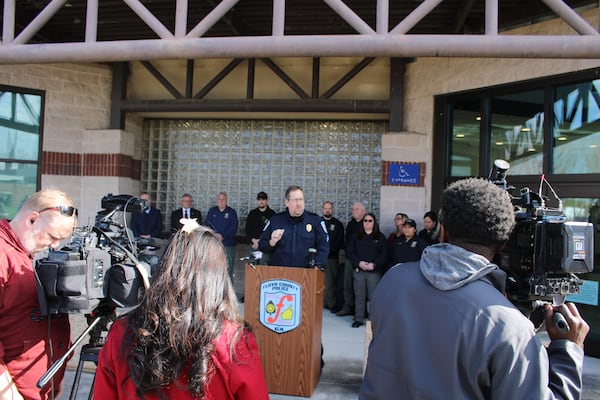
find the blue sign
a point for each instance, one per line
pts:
(588, 294)
(404, 174)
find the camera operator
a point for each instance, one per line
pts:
(29, 344)
(443, 328)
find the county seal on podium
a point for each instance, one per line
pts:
(280, 305)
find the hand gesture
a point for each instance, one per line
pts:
(276, 235)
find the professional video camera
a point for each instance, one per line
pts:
(100, 264)
(96, 273)
(544, 252)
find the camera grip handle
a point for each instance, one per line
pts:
(560, 322)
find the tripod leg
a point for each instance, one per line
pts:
(88, 353)
(75, 386)
(91, 395)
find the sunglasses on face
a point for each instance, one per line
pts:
(368, 220)
(67, 211)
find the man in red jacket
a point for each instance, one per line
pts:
(29, 343)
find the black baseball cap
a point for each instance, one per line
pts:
(262, 196)
(411, 222)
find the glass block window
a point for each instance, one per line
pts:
(338, 161)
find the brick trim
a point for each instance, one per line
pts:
(385, 173)
(118, 165)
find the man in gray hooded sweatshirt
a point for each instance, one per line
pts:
(443, 328)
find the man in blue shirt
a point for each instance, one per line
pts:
(224, 221)
(290, 234)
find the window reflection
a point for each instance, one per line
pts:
(20, 130)
(576, 129)
(465, 138)
(17, 182)
(517, 131)
(20, 118)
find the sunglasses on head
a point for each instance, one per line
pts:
(67, 211)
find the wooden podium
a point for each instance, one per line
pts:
(277, 299)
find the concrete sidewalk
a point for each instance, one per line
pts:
(344, 351)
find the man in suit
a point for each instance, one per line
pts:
(147, 224)
(186, 211)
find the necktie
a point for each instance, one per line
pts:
(185, 214)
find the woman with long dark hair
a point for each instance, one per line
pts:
(367, 251)
(187, 338)
(431, 232)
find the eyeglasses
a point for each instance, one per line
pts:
(368, 220)
(67, 211)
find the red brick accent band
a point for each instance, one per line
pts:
(118, 165)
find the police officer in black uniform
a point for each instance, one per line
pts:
(290, 234)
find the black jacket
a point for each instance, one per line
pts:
(178, 214)
(256, 221)
(301, 233)
(335, 229)
(368, 248)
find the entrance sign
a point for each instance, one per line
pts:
(405, 174)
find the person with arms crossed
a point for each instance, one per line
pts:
(29, 343)
(186, 211)
(224, 221)
(443, 327)
(187, 339)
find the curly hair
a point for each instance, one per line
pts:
(181, 314)
(477, 211)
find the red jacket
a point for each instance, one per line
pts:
(239, 379)
(24, 345)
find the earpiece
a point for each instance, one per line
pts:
(31, 221)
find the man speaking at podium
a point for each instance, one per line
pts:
(291, 237)
(290, 234)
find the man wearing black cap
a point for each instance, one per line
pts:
(257, 219)
(407, 247)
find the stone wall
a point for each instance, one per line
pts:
(76, 116)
